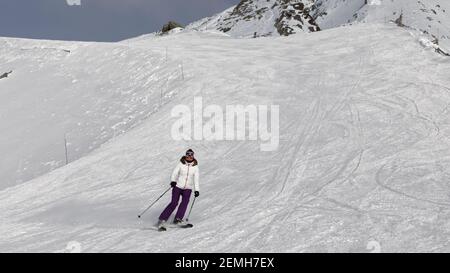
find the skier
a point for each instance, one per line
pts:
(185, 176)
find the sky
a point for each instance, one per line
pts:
(99, 20)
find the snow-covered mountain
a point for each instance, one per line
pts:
(255, 18)
(363, 154)
(429, 16)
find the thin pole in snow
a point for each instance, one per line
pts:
(182, 70)
(151, 205)
(189, 214)
(65, 148)
(167, 54)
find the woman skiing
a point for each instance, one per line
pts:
(184, 178)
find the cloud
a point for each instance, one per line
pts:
(73, 2)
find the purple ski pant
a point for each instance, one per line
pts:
(176, 193)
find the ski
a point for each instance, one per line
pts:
(165, 227)
(180, 226)
(185, 226)
(162, 229)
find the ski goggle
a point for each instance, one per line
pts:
(189, 154)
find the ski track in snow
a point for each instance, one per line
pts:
(363, 153)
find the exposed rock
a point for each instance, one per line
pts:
(260, 18)
(294, 15)
(399, 20)
(169, 26)
(5, 75)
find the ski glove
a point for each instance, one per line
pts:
(196, 194)
(173, 184)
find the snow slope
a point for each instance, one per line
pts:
(255, 18)
(428, 16)
(363, 155)
(89, 92)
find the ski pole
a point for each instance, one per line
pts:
(139, 216)
(189, 214)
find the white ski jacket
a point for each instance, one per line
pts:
(186, 175)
